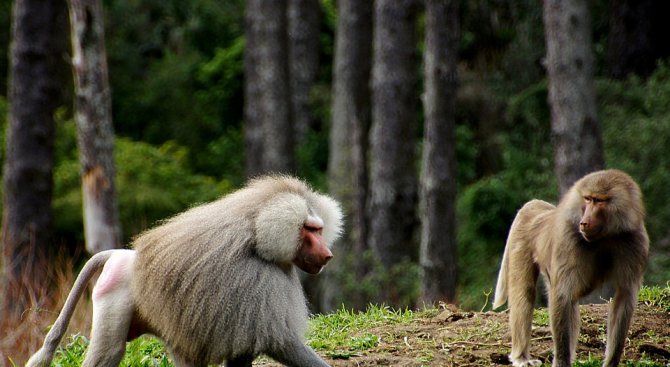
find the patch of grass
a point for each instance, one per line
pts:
(541, 317)
(146, 352)
(344, 332)
(141, 352)
(72, 353)
(597, 362)
(656, 296)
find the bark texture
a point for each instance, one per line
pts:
(95, 133)
(347, 160)
(438, 183)
(304, 20)
(392, 197)
(35, 91)
(269, 135)
(577, 139)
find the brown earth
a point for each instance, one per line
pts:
(459, 338)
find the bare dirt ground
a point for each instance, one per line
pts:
(458, 338)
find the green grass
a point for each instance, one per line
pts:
(597, 362)
(656, 296)
(343, 333)
(142, 352)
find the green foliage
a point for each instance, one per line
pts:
(636, 127)
(152, 183)
(485, 210)
(656, 296)
(312, 159)
(176, 72)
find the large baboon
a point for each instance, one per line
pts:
(216, 282)
(595, 234)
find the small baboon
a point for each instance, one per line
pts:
(216, 282)
(596, 234)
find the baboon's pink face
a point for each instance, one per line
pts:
(594, 217)
(313, 253)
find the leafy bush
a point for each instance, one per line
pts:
(151, 182)
(636, 129)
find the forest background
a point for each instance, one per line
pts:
(177, 77)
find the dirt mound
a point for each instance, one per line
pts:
(459, 338)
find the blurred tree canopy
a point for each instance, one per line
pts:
(176, 73)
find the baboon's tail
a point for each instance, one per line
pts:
(501, 287)
(43, 357)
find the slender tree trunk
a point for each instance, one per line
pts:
(304, 20)
(577, 139)
(438, 183)
(392, 197)
(35, 91)
(578, 147)
(269, 135)
(93, 115)
(347, 165)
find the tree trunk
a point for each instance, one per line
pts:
(93, 115)
(438, 183)
(578, 147)
(269, 133)
(347, 165)
(303, 57)
(304, 20)
(393, 187)
(577, 139)
(36, 82)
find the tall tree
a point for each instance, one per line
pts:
(35, 91)
(438, 183)
(578, 146)
(304, 20)
(577, 139)
(392, 195)
(304, 17)
(347, 160)
(93, 115)
(269, 136)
